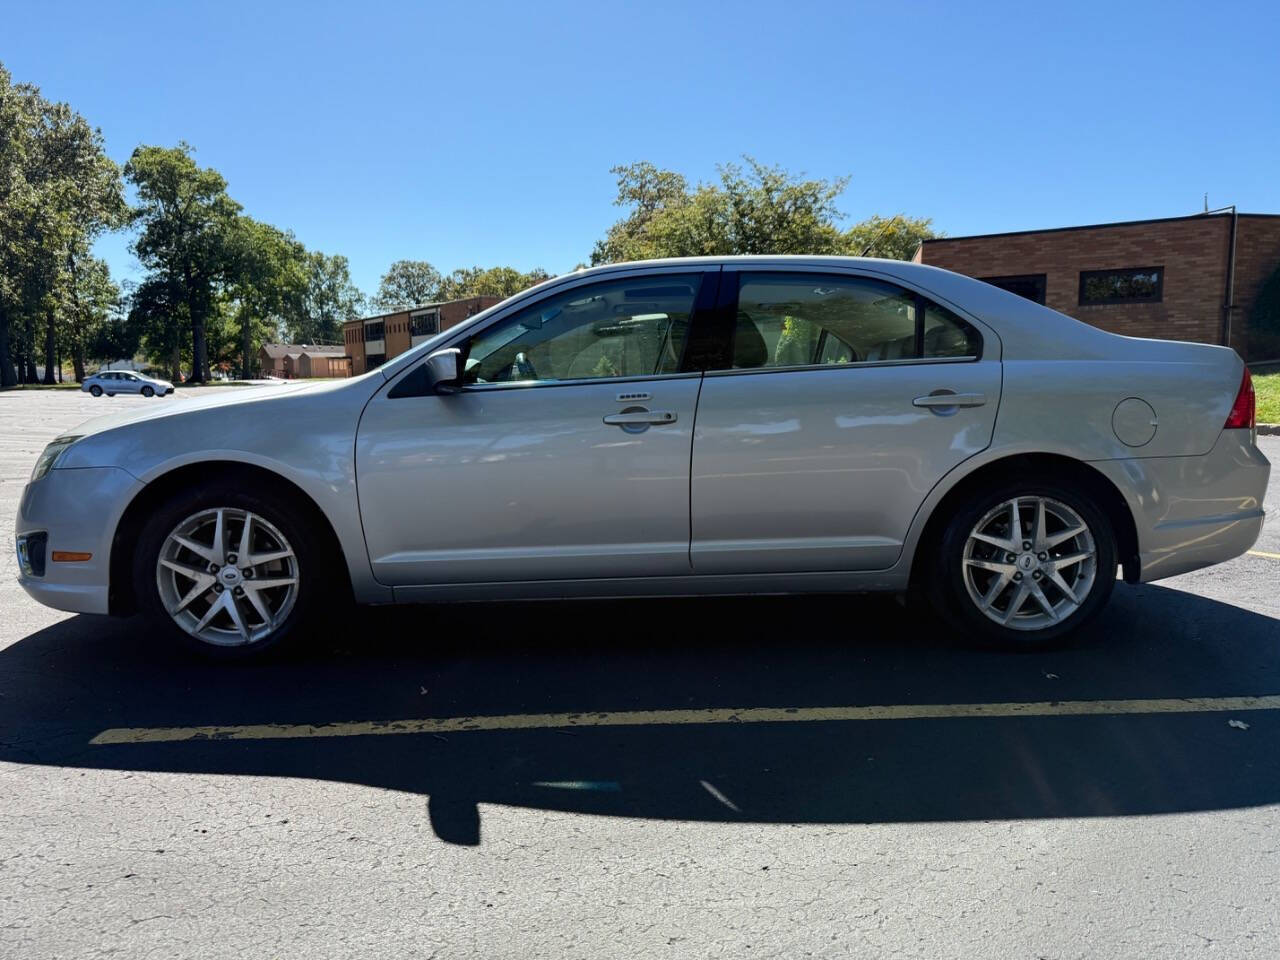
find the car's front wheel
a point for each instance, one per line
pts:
(148, 392)
(229, 573)
(1025, 565)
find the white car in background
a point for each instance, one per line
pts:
(705, 426)
(112, 382)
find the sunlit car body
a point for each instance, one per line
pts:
(736, 425)
(112, 382)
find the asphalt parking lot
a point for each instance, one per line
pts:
(765, 777)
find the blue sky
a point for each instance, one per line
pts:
(483, 133)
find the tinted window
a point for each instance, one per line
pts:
(1029, 285)
(946, 335)
(810, 319)
(623, 328)
(424, 324)
(1132, 284)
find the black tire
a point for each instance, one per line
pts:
(317, 584)
(148, 392)
(951, 597)
(95, 390)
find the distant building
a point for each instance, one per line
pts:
(373, 341)
(1181, 278)
(293, 360)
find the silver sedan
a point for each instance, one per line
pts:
(112, 382)
(729, 425)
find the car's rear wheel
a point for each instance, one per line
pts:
(1025, 565)
(230, 574)
(148, 392)
(95, 390)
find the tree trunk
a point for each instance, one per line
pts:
(77, 360)
(175, 363)
(28, 351)
(8, 377)
(50, 347)
(244, 344)
(198, 372)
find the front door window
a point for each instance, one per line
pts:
(622, 328)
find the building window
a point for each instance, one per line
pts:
(373, 331)
(424, 324)
(1029, 285)
(374, 360)
(1130, 285)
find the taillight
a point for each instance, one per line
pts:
(1244, 410)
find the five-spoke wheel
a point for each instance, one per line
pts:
(231, 570)
(1025, 563)
(227, 576)
(1029, 562)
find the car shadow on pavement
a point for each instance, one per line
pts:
(66, 684)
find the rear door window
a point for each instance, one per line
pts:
(809, 319)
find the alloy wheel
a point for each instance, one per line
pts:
(1029, 563)
(227, 577)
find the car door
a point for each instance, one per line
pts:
(129, 383)
(839, 402)
(564, 456)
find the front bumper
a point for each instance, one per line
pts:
(1192, 512)
(78, 509)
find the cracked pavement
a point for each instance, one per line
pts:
(1132, 836)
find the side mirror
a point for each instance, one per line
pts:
(444, 370)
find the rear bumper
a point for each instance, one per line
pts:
(1192, 512)
(79, 509)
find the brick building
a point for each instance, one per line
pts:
(291, 360)
(374, 340)
(1181, 278)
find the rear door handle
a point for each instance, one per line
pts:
(640, 416)
(941, 399)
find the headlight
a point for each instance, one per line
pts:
(50, 456)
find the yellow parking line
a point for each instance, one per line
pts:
(1263, 553)
(645, 718)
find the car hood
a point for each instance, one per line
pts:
(183, 404)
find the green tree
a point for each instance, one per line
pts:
(89, 297)
(491, 282)
(1263, 330)
(407, 283)
(268, 272)
(186, 218)
(893, 238)
(157, 317)
(116, 337)
(19, 104)
(753, 209)
(58, 191)
(328, 300)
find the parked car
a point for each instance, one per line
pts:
(706, 426)
(112, 382)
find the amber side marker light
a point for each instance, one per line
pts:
(70, 556)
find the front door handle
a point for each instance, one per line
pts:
(940, 399)
(632, 417)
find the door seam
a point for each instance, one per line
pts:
(693, 434)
